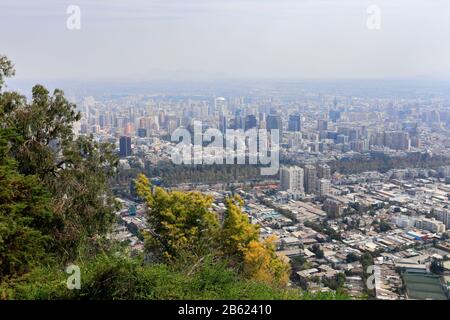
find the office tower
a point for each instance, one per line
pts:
(172, 125)
(415, 142)
(220, 105)
(294, 122)
(95, 128)
(144, 123)
(162, 119)
(125, 146)
(341, 138)
(323, 187)
(273, 121)
(322, 125)
(397, 140)
(359, 145)
(291, 178)
(353, 134)
(323, 171)
(250, 122)
(223, 123)
(129, 129)
(262, 124)
(310, 179)
(334, 115)
(238, 123)
(101, 120)
(261, 116)
(332, 135)
(295, 140)
(142, 132)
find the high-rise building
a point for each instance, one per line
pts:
(291, 178)
(432, 225)
(295, 140)
(101, 120)
(443, 215)
(250, 122)
(125, 146)
(359, 145)
(322, 125)
(238, 123)
(95, 128)
(273, 121)
(353, 134)
(220, 105)
(142, 132)
(333, 207)
(323, 171)
(323, 187)
(310, 179)
(294, 123)
(223, 123)
(397, 140)
(342, 138)
(334, 115)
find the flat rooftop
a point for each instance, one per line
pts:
(422, 287)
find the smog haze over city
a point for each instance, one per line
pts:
(225, 150)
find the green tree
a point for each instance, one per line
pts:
(6, 70)
(352, 257)
(262, 264)
(182, 224)
(26, 219)
(437, 266)
(237, 231)
(317, 251)
(384, 226)
(74, 170)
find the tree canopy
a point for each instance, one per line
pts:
(185, 225)
(54, 194)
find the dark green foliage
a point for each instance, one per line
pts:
(6, 69)
(437, 266)
(336, 282)
(352, 257)
(317, 251)
(384, 226)
(323, 228)
(38, 137)
(298, 263)
(26, 220)
(366, 260)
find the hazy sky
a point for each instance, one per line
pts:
(201, 39)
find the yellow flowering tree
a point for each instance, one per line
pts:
(242, 244)
(183, 225)
(237, 231)
(261, 263)
(181, 222)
